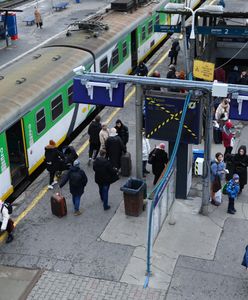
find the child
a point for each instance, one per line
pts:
(232, 191)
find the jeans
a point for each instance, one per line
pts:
(103, 191)
(93, 150)
(231, 204)
(76, 202)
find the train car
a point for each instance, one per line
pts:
(36, 92)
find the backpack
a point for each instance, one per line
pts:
(152, 156)
(8, 206)
(76, 179)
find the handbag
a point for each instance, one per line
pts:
(216, 184)
(224, 191)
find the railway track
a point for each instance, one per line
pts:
(12, 3)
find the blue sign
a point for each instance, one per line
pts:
(167, 28)
(239, 107)
(98, 93)
(163, 114)
(226, 30)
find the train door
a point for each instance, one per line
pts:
(16, 150)
(134, 49)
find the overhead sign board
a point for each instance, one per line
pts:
(239, 31)
(203, 70)
(98, 93)
(167, 28)
(163, 113)
(239, 106)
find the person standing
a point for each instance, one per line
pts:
(232, 190)
(222, 112)
(159, 162)
(114, 148)
(38, 19)
(77, 182)
(240, 162)
(142, 69)
(103, 135)
(6, 224)
(216, 175)
(175, 48)
(93, 132)
(228, 137)
(145, 154)
(54, 160)
(105, 174)
(122, 131)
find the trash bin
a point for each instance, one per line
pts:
(133, 192)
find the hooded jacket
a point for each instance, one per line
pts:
(54, 158)
(122, 132)
(227, 136)
(76, 187)
(240, 166)
(93, 131)
(114, 150)
(232, 189)
(217, 168)
(104, 171)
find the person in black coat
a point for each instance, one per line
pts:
(171, 74)
(114, 148)
(240, 166)
(93, 132)
(105, 174)
(159, 162)
(122, 131)
(175, 48)
(142, 69)
(54, 160)
(77, 182)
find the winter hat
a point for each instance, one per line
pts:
(76, 163)
(229, 124)
(162, 146)
(235, 176)
(112, 132)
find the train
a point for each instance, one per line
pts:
(36, 98)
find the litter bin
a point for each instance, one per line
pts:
(133, 192)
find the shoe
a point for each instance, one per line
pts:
(231, 212)
(107, 207)
(55, 182)
(50, 187)
(146, 172)
(77, 213)
(240, 191)
(214, 203)
(234, 210)
(9, 239)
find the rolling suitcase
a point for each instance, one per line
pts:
(58, 205)
(126, 164)
(217, 135)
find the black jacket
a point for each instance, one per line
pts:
(105, 173)
(240, 166)
(54, 159)
(114, 149)
(93, 132)
(123, 133)
(159, 161)
(77, 180)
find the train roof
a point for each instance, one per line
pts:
(28, 81)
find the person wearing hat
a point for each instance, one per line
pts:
(159, 161)
(77, 182)
(114, 148)
(240, 164)
(228, 137)
(232, 191)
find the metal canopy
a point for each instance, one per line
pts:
(226, 14)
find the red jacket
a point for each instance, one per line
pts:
(226, 138)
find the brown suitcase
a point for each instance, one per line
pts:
(58, 205)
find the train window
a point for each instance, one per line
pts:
(150, 27)
(40, 120)
(70, 95)
(104, 65)
(57, 107)
(124, 49)
(143, 33)
(157, 20)
(115, 57)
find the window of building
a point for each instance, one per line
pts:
(115, 57)
(70, 95)
(104, 65)
(40, 120)
(150, 27)
(124, 49)
(157, 20)
(143, 33)
(57, 107)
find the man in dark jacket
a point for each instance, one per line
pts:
(105, 174)
(175, 48)
(54, 160)
(114, 148)
(142, 69)
(122, 131)
(93, 131)
(172, 75)
(159, 162)
(77, 182)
